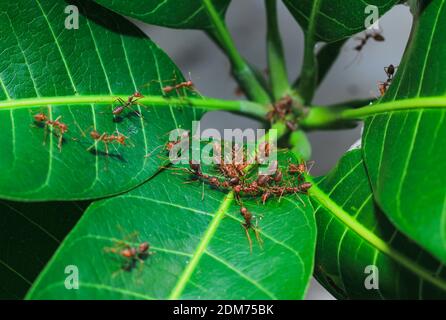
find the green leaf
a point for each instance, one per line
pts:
(201, 249)
(404, 150)
(107, 55)
(334, 20)
(167, 13)
(30, 235)
(353, 234)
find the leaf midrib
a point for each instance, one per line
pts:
(200, 250)
(154, 101)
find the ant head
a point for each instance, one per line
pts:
(170, 145)
(213, 180)
(63, 127)
(138, 94)
(121, 139)
(243, 211)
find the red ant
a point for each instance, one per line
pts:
(169, 145)
(131, 100)
(176, 87)
(131, 255)
(300, 168)
(62, 128)
(186, 84)
(247, 225)
(106, 139)
(383, 86)
(363, 40)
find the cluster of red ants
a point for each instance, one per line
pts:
(60, 129)
(282, 110)
(233, 176)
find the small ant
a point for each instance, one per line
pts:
(300, 168)
(131, 100)
(186, 84)
(176, 87)
(62, 128)
(363, 40)
(247, 225)
(383, 86)
(132, 255)
(169, 145)
(106, 139)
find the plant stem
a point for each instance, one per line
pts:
(241, 70)
(245, 107)
(308, 80)
(326, 57)
(397, 105)
(276, 58)
(323, 117)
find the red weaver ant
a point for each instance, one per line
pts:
(169, 145)
(61, 128)
(182, 85)
(130, 254)
(300, 168)
(106, 139)
(363, 40)
(247, 225)
(375, 35)
(131, 100)
(383, 86)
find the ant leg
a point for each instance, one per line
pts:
(311, 164)
(300, 199)
(136, 112)
(259, 239)
(120, 100)
(60, 142)
(116, 273)
(106, 147)
(45, 133)
(202, 191)
(150, 153)
(248, 237)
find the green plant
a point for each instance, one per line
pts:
(383, 205)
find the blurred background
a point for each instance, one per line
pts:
(353, 76)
